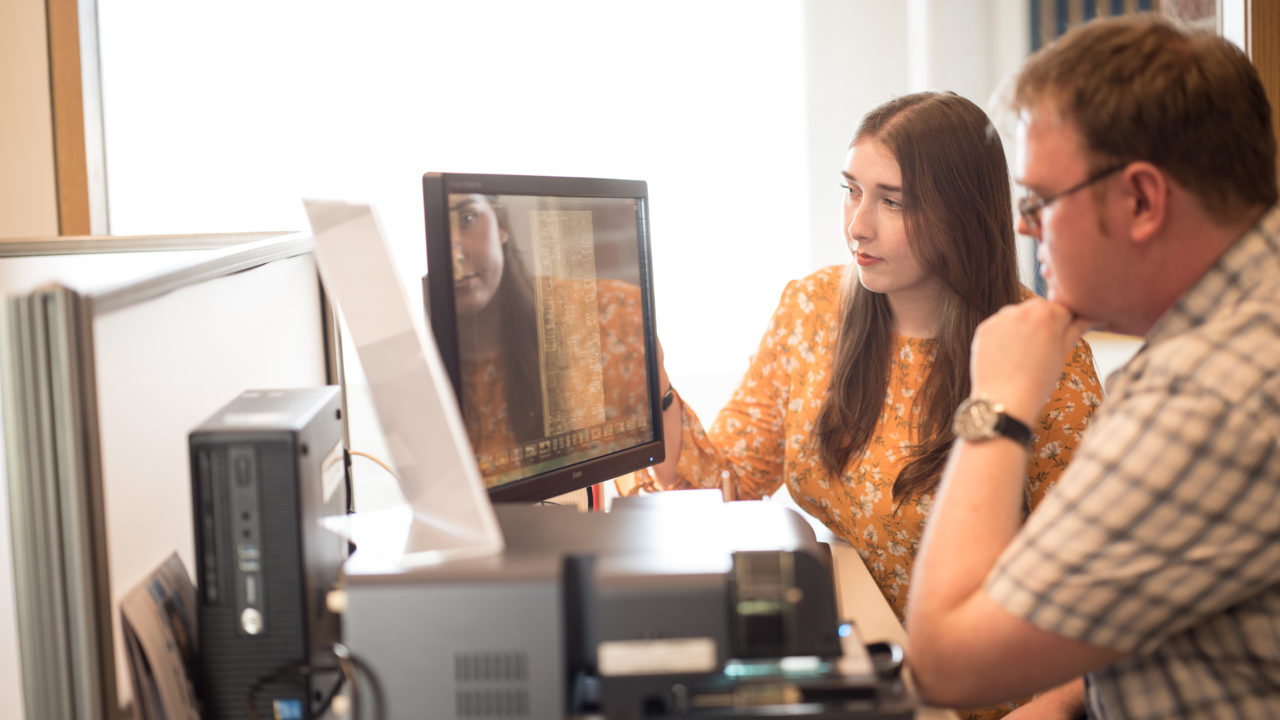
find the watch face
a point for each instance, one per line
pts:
(975, 418)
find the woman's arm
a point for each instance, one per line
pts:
(744, 453)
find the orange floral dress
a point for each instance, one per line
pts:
(761, 439)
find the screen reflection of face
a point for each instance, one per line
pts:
(478, 238)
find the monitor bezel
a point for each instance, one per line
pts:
(442, 317)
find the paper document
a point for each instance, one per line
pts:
(158, 619)
(437, 472)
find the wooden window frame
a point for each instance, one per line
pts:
(76, 93)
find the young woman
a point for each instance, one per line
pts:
(850, 397)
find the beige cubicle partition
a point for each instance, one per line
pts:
(111, 350)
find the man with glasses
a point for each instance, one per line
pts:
(1153, 568)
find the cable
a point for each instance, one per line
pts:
(349, 666)
(294, 669)
(371, 457)
(328, 699)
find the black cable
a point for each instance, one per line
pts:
(349, 667)
(328, 699)
(291, 670)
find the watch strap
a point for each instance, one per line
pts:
(1013, 428)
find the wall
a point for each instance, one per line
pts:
(28, 194)
(855, 60)
(859, 54)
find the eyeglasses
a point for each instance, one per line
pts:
(1030, 206)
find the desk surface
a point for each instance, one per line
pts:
(860, 600)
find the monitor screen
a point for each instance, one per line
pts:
(540, 298)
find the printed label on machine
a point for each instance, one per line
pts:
(645, 657)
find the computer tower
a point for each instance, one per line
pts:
(265, 469)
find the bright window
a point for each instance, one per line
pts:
(222, 116)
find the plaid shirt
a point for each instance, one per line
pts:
(1162, 538)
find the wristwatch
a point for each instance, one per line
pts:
(978, 419)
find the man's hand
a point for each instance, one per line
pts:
(1018, 354)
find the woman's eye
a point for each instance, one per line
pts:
(893, 204)
(466, 218)
(851, 191)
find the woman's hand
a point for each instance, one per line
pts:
(672, 429)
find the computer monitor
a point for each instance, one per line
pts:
(539, 293)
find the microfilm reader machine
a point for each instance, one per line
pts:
(660, 608)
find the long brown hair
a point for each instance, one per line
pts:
(959, 222)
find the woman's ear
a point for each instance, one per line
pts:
(1148, 191)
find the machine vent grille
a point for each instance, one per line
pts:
(492, 703)
(491, 667)
(491, 685)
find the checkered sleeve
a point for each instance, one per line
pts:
(1167, 515)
